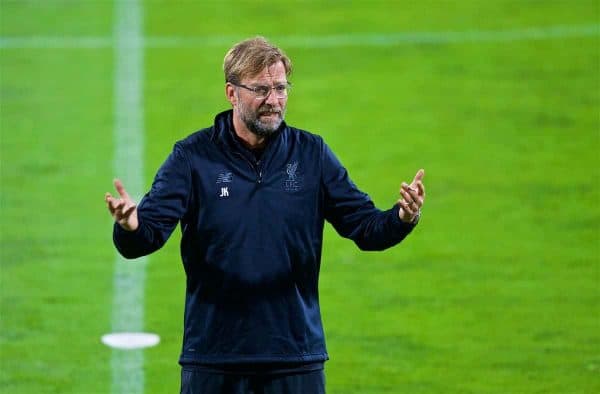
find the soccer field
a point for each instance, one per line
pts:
(496, 291)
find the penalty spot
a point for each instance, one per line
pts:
(130, 340)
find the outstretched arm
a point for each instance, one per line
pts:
(353, 214)
(142, 229)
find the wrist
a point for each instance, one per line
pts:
(416, 218)
(405, 217)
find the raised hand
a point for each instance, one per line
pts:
(413, 196)
(123, 209)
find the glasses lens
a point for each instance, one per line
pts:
(279, 91)
(261, 91)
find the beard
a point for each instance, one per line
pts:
(262, 127)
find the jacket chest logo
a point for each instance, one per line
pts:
(293, 182)
(223, 179)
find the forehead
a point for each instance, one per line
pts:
(273, 73)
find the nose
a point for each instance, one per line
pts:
(271, 98)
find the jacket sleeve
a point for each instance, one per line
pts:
(160, 210)
(353, 214)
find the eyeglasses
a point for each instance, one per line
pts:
(261, 92)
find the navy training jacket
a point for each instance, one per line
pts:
(252, 237)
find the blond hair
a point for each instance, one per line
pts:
(249, 57)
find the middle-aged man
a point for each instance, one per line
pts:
(252, 194)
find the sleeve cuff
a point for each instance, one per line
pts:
(399, 223)
(127, 241)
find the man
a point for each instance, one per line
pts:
(252, 194)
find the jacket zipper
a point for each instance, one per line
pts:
(254, 166)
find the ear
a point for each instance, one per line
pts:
(230, 94)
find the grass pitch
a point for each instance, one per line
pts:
(496, 291)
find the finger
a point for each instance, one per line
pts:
(110, 203)
(120, 211)
(108, 199)
(405, 192)
(413, 199)
(406, 196)
(414, 195)
(415, 207)
(121, 189)
(407, 186)
(406, 207)
(129, 210)
(117, 205)
(419, 176)
(421, 188)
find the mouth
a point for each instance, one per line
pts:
(269, 114)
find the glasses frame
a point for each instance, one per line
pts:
(288, 86)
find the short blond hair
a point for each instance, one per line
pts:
(249, 57)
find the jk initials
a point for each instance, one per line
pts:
(224, 192)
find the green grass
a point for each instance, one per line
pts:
(496, 291)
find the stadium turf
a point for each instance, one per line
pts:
(496, 291)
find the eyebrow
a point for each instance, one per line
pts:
(268, 84)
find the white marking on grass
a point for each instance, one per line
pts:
(324, 41)
(55, 42)
(390, 39)
(130, 276)
(130, 340)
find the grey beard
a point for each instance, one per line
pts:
(260, 129)
(253, 123)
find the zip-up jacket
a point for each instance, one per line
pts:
(252, 234)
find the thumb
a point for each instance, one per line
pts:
(419, 176)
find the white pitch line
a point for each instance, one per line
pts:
(389, 39)
(55, 42)
(316, 41)
(129, 276)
